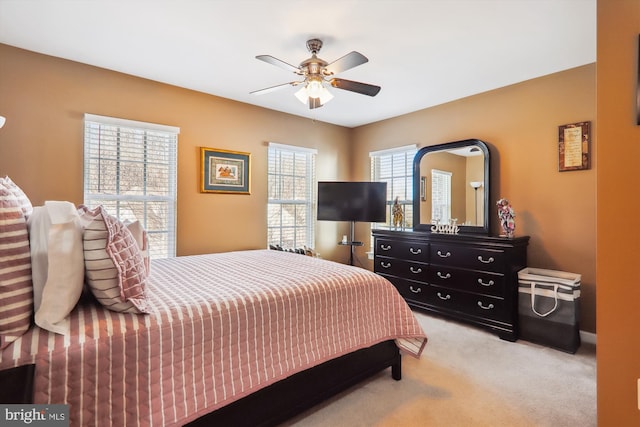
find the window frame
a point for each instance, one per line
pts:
(409, 152)
(131, 128)
(441, 184)
(309, 202)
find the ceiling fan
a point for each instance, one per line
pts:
(316, 72)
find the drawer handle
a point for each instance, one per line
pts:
(446, 297)
(441, 255)
(415, 251)
(485, 261)
(488, 307)
(415, 270)
(444, 276)
(385, 264)
(490, 283)
(415, 291)
(385, 247)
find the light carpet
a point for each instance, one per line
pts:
(470, 377)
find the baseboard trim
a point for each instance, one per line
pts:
(588, 337)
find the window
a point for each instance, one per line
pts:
(291, 206)
(130, 169)
(395, 167)
(441, 196)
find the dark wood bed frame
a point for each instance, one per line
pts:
(291, 396)
(271, 405)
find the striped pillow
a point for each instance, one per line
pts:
(16, 290)
(23, 200)
(114, 267)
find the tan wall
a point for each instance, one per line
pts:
(41, 146)
(520, 124)
(618, 246)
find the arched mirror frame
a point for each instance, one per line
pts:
(417, 174)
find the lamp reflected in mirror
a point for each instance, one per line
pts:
(475, 185)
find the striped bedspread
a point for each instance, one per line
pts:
(222, 326)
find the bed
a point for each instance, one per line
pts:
(238, 338)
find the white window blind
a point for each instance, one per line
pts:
(441, 196)
(291, 209)
(395, 167)
(130, 169)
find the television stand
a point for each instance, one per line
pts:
(351, 243)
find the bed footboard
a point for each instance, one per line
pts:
(291, 396)
(17, 384)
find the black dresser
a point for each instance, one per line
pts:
(472, 278)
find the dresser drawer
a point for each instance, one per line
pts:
(471, 257)
(410, 290)
(413, 251)
(467, 280)
(467, 303)
(401, 268)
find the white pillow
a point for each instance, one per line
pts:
(55, 234)
(38, 224)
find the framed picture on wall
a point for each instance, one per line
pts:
(574, 146)
(224, 171)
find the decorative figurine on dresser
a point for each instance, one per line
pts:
(398, 214)
(507, 216)
(463, 272)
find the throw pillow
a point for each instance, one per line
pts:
(23, 200)
(16, 291)
(142, 239)
(55, 234)
(114, 266)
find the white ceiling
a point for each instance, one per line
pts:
(421, 52)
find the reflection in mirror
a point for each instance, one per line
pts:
(453, 185)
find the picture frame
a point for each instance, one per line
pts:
(574, 146)
(225, 171)
(423, 188)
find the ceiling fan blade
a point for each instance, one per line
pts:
(278, 63)
(350, 60)
(272, 88)
(362, 88)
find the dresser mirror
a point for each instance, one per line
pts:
(451, 183)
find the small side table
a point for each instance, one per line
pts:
(351, 244)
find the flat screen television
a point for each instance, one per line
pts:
(352, 201)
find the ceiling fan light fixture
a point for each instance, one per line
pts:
(325, 96)
(314, 89)
(301, 94)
